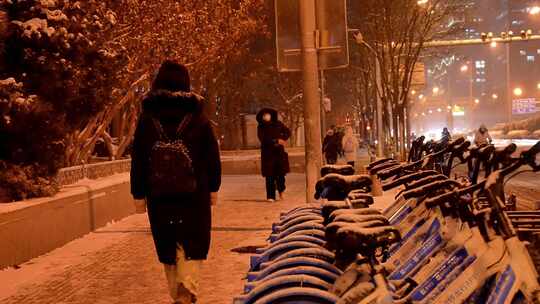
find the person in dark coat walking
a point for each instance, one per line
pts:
(331, 146)
(181, 224)
(273, 135)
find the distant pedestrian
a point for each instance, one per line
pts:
(349, 144)
(340, 133)
(446, 137)
(331, 146)
(176, 173)
(482, 137)
(441, 145)
(273, 135)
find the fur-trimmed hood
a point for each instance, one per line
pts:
(272, 113)
(168, 103)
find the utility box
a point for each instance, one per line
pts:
(249, 131)
(331, 35)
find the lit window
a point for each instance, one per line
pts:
(538, 51)
(530, 58)
(480, 64)
(522, 53)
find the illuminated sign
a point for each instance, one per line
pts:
(524, 106)
(458, 111)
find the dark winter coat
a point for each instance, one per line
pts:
(274, 159)
(185, 219)
(331, 146)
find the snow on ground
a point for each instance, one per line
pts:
(117, 264)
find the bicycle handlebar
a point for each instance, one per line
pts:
(407, 178)
(375, 170)
(378, 162)
(414, 193)
(445, 197)
(426, 180)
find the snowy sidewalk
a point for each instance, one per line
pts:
(117, 264)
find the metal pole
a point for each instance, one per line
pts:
(322, 28)
(508, 85)
(380, 133)
(471, 94)
(449, 102)
(323, 110)
(312, 107)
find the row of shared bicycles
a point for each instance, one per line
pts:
(443, 238)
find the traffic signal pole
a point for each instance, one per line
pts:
(312, 104)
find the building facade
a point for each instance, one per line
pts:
(480, 84)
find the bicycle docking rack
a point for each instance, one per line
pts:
(441, 241)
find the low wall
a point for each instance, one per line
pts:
(71, 175)
(31, 228)
(233, 162)
(239, 165)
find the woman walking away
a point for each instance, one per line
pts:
(176, 172)
(482, 137)
(350, 146)
(273, 135)
(331, 146)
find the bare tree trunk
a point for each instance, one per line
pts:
(395, 131)
(109, 144)
(130, 125)
(402, 137)
(82, 143)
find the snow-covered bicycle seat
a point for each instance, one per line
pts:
(331, 231)
(360, 195)
(366, 240)
(337, 169)
(363, 211)
(337, 187)
(330, 206)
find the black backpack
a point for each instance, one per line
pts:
(171, 166)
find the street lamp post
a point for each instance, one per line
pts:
(450, 119)
(323, 96)
(378, 80)
(312, 104)
(508, 86)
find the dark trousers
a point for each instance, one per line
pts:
(273, 183)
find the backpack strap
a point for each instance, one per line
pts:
(159, 129)
(185, 122)
(181, 127)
